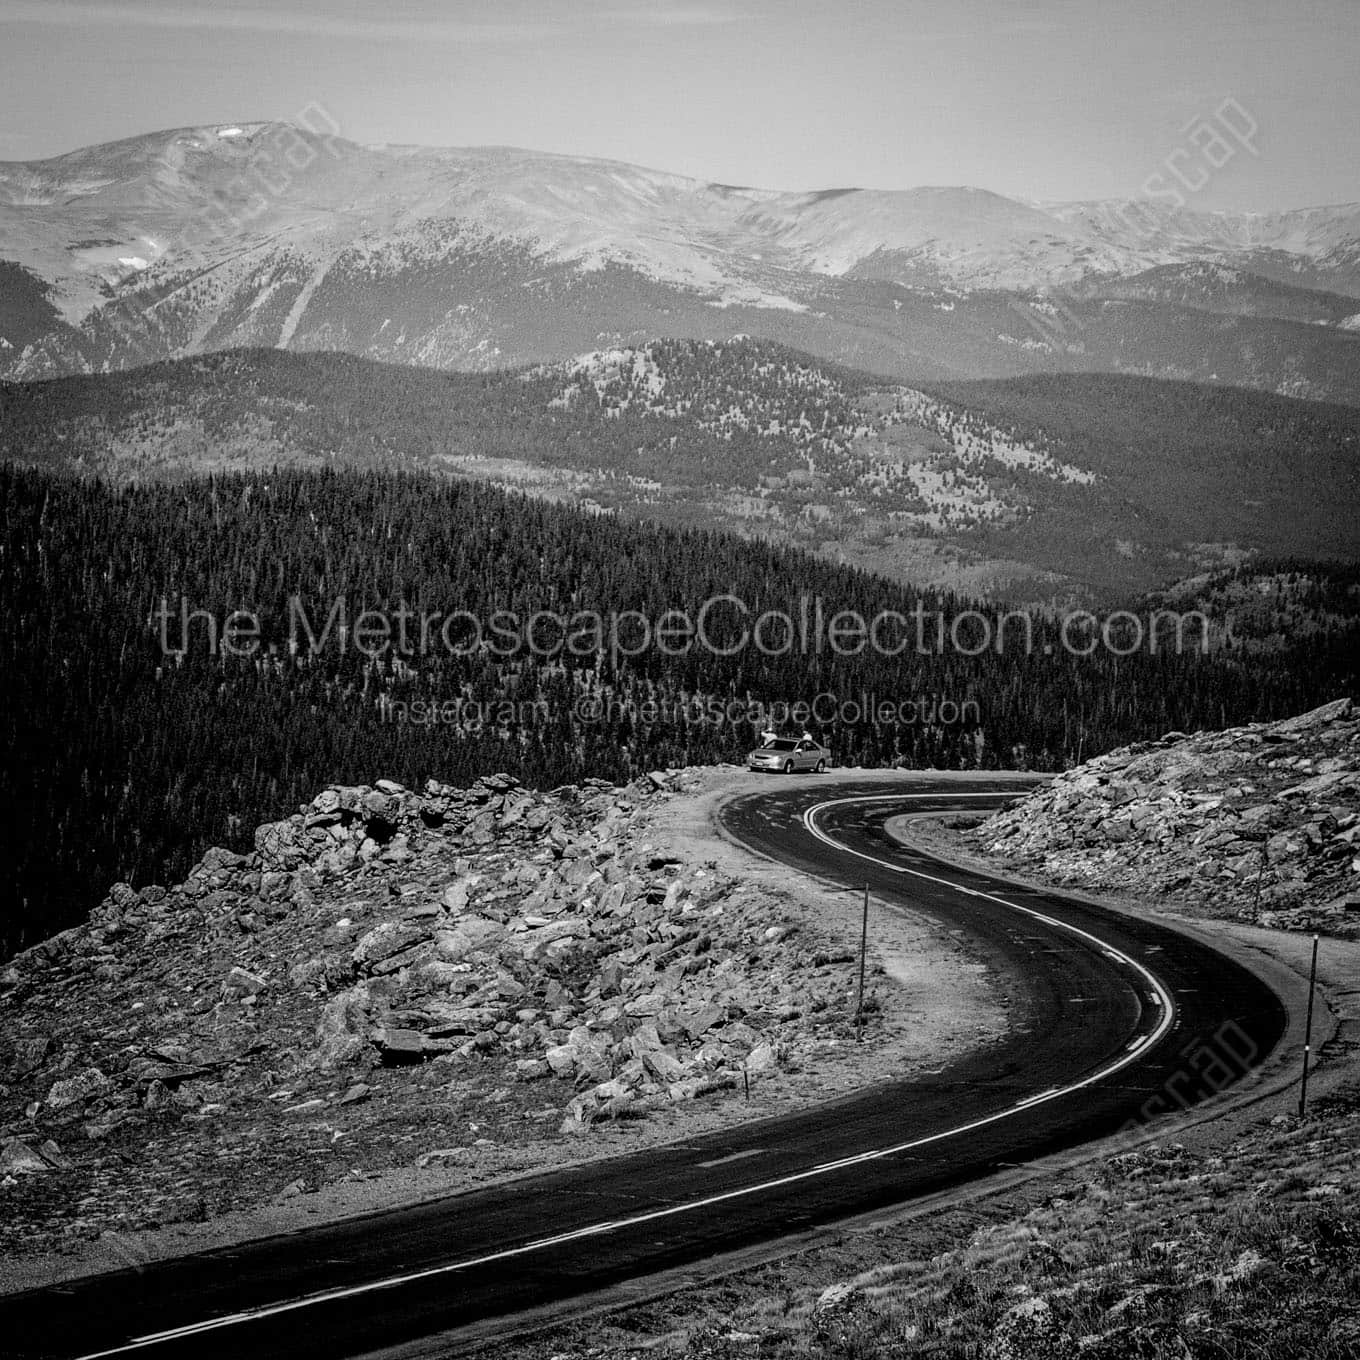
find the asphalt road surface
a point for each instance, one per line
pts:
(1116, 1021)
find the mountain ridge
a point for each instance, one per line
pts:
(221, 236)
(1126, 209)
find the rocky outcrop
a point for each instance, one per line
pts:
(387, 974)
(1257, 823)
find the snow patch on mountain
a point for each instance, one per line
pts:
(290, 323)
(115, 261)
(748, 295)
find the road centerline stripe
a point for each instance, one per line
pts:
(732, 1157)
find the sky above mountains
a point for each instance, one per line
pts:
(1226, 103)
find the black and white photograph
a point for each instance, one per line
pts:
(680, 679)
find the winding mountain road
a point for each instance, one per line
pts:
(1114, 1019)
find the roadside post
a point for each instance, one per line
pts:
(863, 950)
(1308, 1032)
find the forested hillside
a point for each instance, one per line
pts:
(123, 762)
(1056, 488)
(1272, 604)
(1200, 470)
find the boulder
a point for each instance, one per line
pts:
(342, 1031)
(663, 1065)
(86, 1085)
(761, 1059)
(18, 1159)
(455, 897)
(471, 934)
(561, 1059)
(611, 979)
(399, 1045)
(240, 983)
(381, 945)
(27, 1055)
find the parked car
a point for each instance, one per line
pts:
(789, 754)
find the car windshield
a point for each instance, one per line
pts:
(780, 744)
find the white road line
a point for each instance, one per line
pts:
(1035, 1099)
(1168, 1012)
(732, 1157)
(1114, 955)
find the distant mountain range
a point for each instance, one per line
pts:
(201, 239)
(1054, 487)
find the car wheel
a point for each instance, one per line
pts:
(821, 767)
(788, 767)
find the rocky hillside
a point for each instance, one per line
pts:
(391, 979)
(1258, 823)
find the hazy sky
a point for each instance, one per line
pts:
(1036, 98)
